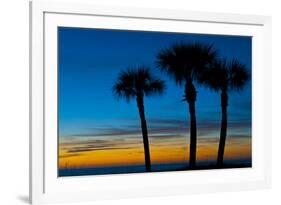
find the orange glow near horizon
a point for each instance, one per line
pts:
(161, 152)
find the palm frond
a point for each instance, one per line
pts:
(186, 61)
(216, 76)
(238, 75)
(137, 81)
(124, 86)
(225, 75)
(169, 61)
(155, 87)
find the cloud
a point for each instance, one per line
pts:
(207, 140)
(167, 136)
(239, 136)
(169, 122)
(89, 145)
(162, 129)
(96, 149)
(69, 155)
(161, 133)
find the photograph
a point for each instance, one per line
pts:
(132, 101)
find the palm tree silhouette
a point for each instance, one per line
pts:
(185, 63)
(135, 83)
(224, 77)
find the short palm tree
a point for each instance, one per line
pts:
(185, 63)
(136, 83)
(224, 77)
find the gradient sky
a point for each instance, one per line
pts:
(95, 129)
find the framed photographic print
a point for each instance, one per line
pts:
(129, 102)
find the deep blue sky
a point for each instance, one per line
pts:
(89, 63)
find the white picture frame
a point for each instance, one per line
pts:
(46, 187)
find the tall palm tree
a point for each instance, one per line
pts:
(224, 77)
(184, 63)
(136, 83)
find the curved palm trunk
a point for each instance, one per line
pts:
(144, 133)
(190, 95)
(224, 104)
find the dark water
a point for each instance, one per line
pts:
(154, 168)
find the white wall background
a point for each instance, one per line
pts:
(14, 100)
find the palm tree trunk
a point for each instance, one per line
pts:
(224, 104)
(193, 135)
(190, 95)
(144, 133)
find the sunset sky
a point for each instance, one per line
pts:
(97, 130)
